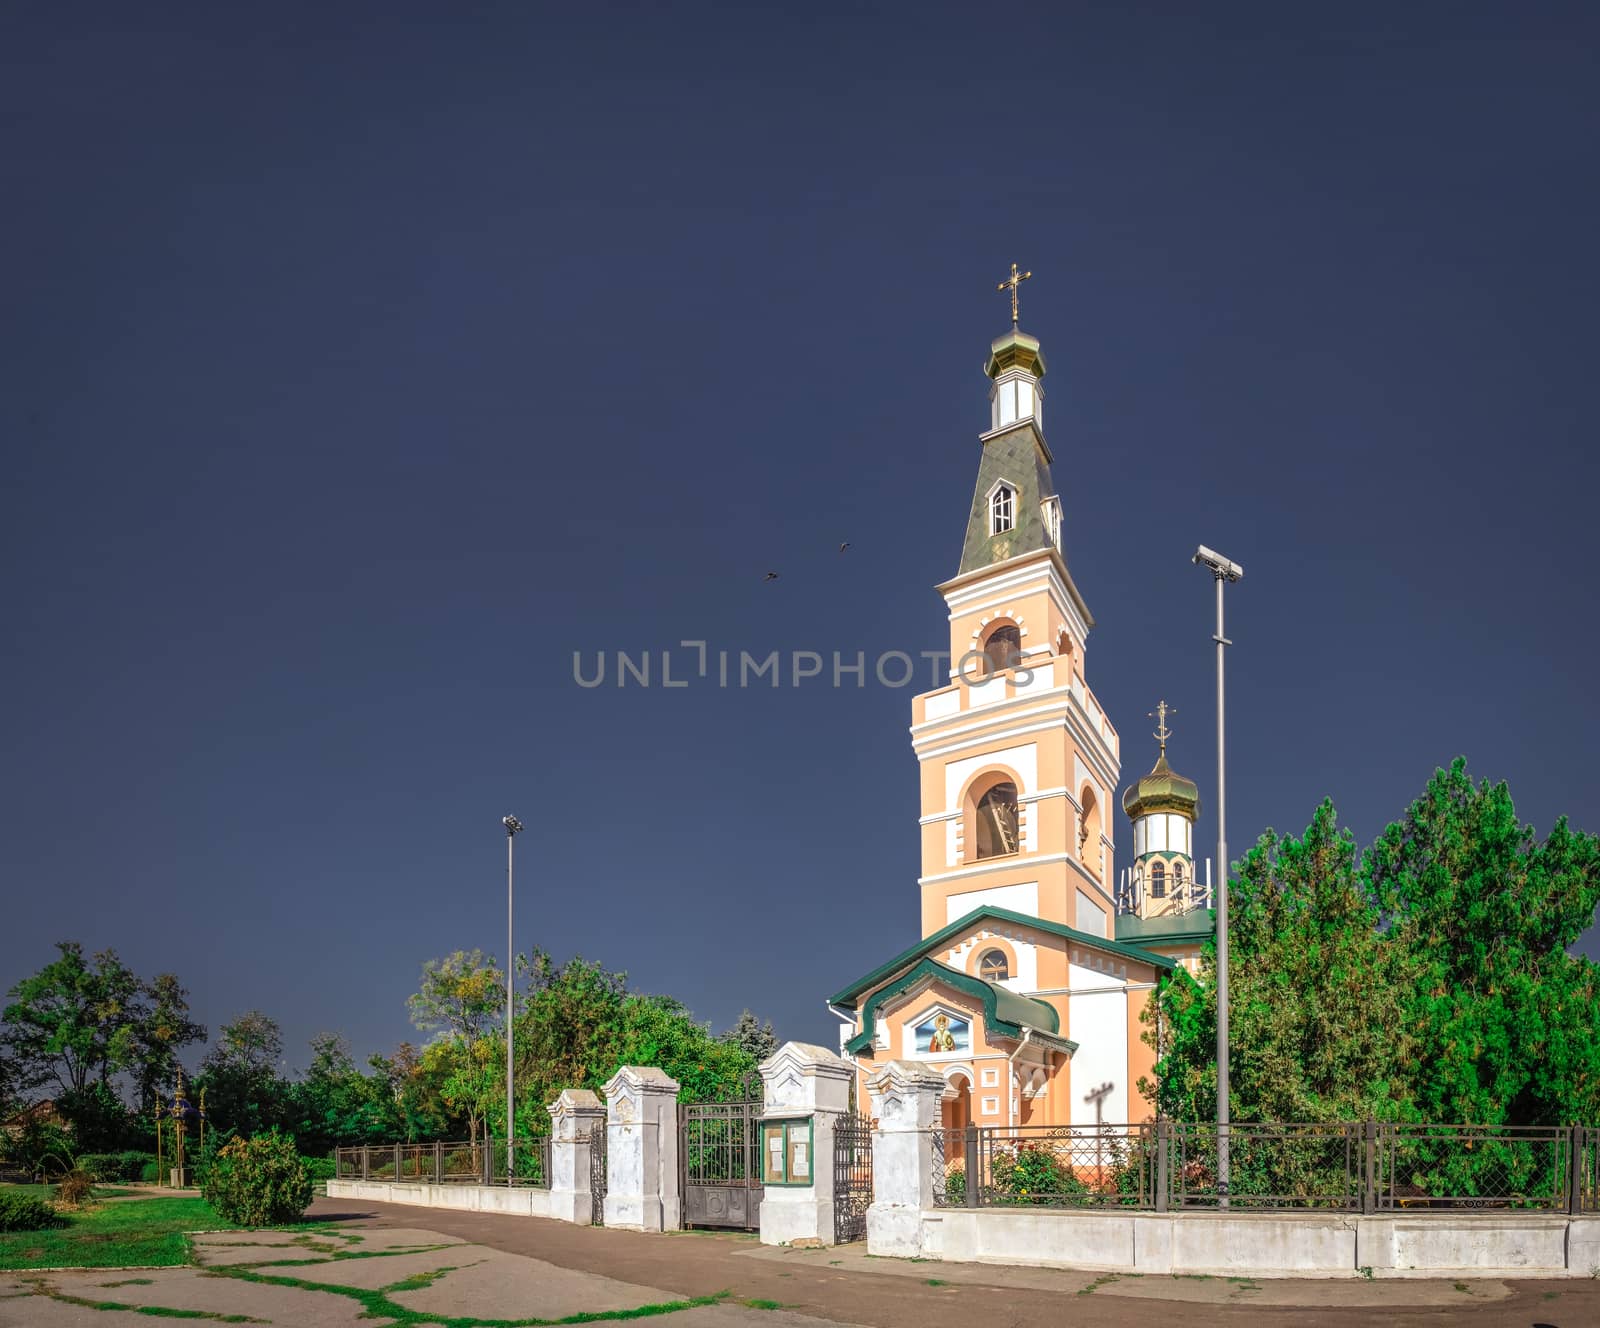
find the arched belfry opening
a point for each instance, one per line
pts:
(1002, 648)
(996, 823)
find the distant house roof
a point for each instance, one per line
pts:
(43, 1112)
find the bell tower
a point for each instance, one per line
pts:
(1163, 807)
(1019, 762)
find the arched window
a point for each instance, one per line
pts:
(994, 966)
(1158, 880)
(1003, 649)
(1002, 509)
(997, 821)
(1177, 880)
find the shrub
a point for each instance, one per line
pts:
(25, 1212)
(1032, 1173)
(114, 1167)
(318, 1168)
(74, 1188)
(259, 1181)
(151, 1172)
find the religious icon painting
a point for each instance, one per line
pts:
(943, 1034)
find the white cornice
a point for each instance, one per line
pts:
(1074, 718)
(1069, 591)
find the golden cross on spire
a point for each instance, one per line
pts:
(1162, 732)
(1011, 283)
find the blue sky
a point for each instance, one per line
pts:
(363, 362)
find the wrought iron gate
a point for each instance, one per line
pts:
(719, 1161)
(852, 1177)
(597, 1175)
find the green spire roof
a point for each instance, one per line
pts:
(1019, 457)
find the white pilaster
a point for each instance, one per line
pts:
(642, 1150)
(905, 1103)
(800, 1080)
(572, 1116)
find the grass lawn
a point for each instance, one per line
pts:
(49, 1191)
(147, 1232)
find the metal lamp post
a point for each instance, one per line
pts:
(512, 826)
(1222, 571)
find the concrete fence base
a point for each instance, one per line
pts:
(518, 1200)
(1258, 1245)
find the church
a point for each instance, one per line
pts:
(1036, 959)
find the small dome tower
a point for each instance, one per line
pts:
(1163, 807)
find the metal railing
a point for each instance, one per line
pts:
(1358, 1167)
(449, 1162)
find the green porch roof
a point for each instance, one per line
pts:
(848, 996)
(1170, 929)
(1004, 1011)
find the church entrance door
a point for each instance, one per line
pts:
(956, 1109)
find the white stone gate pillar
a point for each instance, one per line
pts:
(800, 1080)
(572, 1116)
(642, 1150)
(905, 1102)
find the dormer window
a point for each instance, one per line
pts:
(1002, 509)
(1050, 509)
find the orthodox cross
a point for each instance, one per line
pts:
(1162, 732)
(1098, 1096)
(1011, 283)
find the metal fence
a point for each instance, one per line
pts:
(1358, 1167)
(527, 1162)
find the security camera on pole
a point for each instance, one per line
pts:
(512, 826)
(1223, 571)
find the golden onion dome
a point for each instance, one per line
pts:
(1162, 790)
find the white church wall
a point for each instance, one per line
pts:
(1022, 898)
(1024, 759)
(1098, 1023)
(1091, 917)
(982, 693)
(1026, 977)
(1043, 679)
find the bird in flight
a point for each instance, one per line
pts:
(844, 546)
(770, 576)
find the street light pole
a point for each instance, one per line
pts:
(1223, 571)
(512, 825)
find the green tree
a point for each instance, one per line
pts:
(578, 1022)
(245, 1089)
(461, 999)
(1316, 995)
(79, 1024)
(1485, 913)
(162, 1030)
(420, 1113)
(1427, 979)
(335, 1104)
(73, 1023)
(755, 1037)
